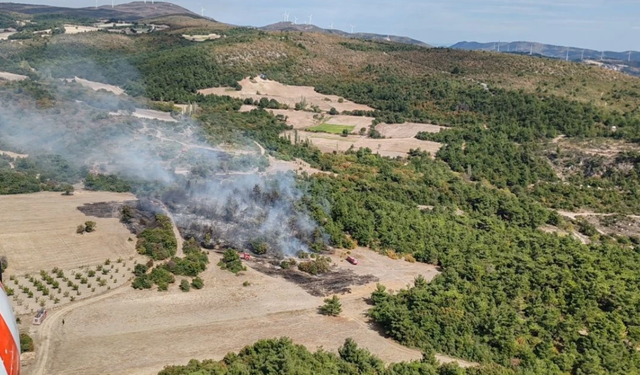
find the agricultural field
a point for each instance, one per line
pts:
(270, 306)
(392, 147)
(38, 232)
(257, 88)
(97, 85)
(406, 130)
(55, 287)
(77, 29)
(201, 38)
(331, 128)
(12, 77)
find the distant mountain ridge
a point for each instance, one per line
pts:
(290, 26)
(549, 50)
(130, 11)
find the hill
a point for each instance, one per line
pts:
(549, 50)
(131, 11)
(524, 141)
(290, 26)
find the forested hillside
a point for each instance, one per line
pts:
(510, 296)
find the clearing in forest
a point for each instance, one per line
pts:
(77, 29)
(258, 88)
(391, 147)
(97, 85)
(12, 77)
(201, 38)
(406, 130)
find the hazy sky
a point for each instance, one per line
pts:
(597, 24)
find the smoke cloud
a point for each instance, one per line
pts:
(242, 209)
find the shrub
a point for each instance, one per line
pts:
(197, 283)
(142, 282)
(184, 286)
(80, 229)
(231, 262)
(90, 226)
(332, 306)
(26, 343)
(316, 267)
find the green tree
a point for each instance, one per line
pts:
(332, 306)
(90, 226)
(26, 343)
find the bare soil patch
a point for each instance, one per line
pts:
(406, 130)
(5, 36)
(394, 147)
(13, 154)
(97, 85)
(77, 29)
(153, 115)
(12, 77)
(258, 88)
(38, 231)
(201, 38)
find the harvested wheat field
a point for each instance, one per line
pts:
(136, 326)
(13, 154)
(201, 38)
(391, 147)
(77, 29)
(406, 130)
(153, 115)
(38, 231)
(97, 85)
(259, 88)
(5, 36)
(12, 77)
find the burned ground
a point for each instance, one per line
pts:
(141, 214)
(337, 281)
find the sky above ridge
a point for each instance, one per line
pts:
(596, 24)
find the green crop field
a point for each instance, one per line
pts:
(331, 128)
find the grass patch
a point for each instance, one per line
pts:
(331, 128)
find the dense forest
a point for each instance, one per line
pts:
(281, 356)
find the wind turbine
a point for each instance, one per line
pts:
(602, 56)
(352, 28)
(531, 53)
(285, 16)
(113, 4)
(96, 4)
(295, 20)
(630, 52)
(331, 27)
(568, 53)
(202, 11)
(310, 19)
(499, 46)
